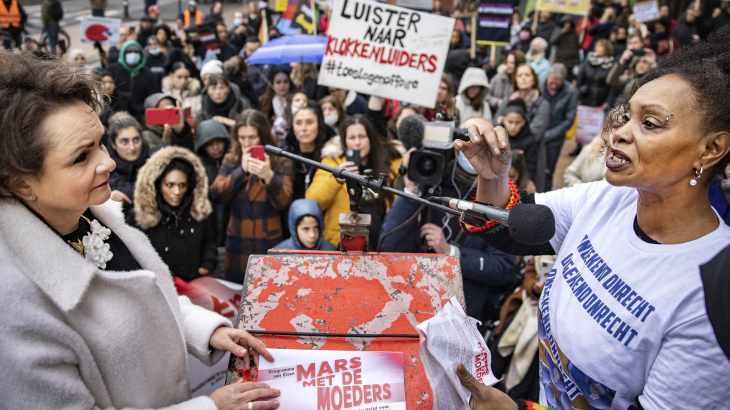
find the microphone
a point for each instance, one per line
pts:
(411, 131)
(529, 224)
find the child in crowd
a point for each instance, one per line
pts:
(520, 136)
(307, 220)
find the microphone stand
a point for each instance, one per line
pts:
(374, 185)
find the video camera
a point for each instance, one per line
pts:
(433, 161)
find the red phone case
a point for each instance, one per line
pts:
(257, 152)
(162, 116)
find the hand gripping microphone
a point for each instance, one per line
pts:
(529, 224)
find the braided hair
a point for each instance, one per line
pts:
(705, 67)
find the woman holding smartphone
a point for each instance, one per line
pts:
(258, 188)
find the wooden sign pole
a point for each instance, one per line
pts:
(473, 48)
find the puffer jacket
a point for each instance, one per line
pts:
(299, 209)
(183, 238)
(591, 80)
(567, 45)
(189, 97)
(332, 195)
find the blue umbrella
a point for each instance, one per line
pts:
(291, 49)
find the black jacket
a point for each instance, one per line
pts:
(124, 176)
(591, 83)
(567, 47)
(137, 89)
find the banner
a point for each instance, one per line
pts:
(579, 7)
(494, 23)
(330, 379)
(590, 123)
(100, 29)
(387, 51)
(646, 11)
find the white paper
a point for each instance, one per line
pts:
(646, 11)
(102, 29)
(449, 339)
(590, 123)
(387, 51)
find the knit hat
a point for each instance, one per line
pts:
(212, 67)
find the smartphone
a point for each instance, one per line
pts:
(132, 29)
(257, 152)
(353, 155)
(639, 53)
(162, 116)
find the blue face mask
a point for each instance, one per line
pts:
(465, 164)
(132, 58)
(532, 50)
(237, 22)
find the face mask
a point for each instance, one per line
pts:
(154, 51)
(331, 120)
(294, 110)
(532, 50)
(524, 35)
(237, 22)
(132, 58)
(465, 164)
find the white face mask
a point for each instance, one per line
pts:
(331, 120)
(465, 164)
(294, 110)
(154, 51)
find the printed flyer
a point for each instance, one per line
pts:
(335, 380)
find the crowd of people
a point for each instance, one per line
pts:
(207, 197)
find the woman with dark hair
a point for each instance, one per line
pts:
(472, 99)
(501, 84)
(257, 191)
(163, 35)
(624, 304)
(81, 289)
(444, 99)
(376, 153)
(333, 111)
(172, 208)
(306, 137)
(273, 102)
(129, 151)
(221, 102)
(184, 88)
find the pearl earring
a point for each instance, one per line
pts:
(698, 174)
(30, 197)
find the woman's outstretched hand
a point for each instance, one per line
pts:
(488, 151)
(240, 343)
(484, 397)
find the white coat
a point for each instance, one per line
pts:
(76, 337)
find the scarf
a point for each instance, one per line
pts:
(529, 100)
(279, 107)
(601, 62)
(220, 109)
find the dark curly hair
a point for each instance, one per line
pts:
(31, 90)
(706, 68)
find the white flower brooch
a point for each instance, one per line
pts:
(92, 246)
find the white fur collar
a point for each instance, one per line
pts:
(57, 268)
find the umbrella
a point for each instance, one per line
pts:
(291, 49)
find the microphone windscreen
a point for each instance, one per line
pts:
(411, 130)
(531, 224)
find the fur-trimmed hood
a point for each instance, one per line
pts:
(333, 147)
(146, 210)
(192, 90)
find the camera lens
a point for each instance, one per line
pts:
(427, 166)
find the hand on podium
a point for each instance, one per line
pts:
(484, 397)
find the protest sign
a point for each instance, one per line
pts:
(494, 22)
(330, 379)
(646, 11)
(590, 123)
(465, 8)
(100, 29)
(388, 51)
(565, 6)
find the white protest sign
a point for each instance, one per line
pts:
(646, 11)
(590, 123)
(388, 51)
(101, 29)
(416, 4)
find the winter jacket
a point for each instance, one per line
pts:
(567, 46)
(355, 103)
(189, 97)
(591, 81)
(299, 209)
(486, 272)
(544, 31)
(46, 17)
(153, 133)
(685, 32)
(209, 130)
(183, 238)
(94, 338)
(157, 64)
(134, 84)
(332, 195)
(237, 108)
(124, 176)
(563, 108)
(255, 224)
(619, 82)
(588, 166)
(473, 77)
(500, 88)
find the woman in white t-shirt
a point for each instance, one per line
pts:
(622, 318)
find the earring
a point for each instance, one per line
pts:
(30, 197)
(698, 174)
